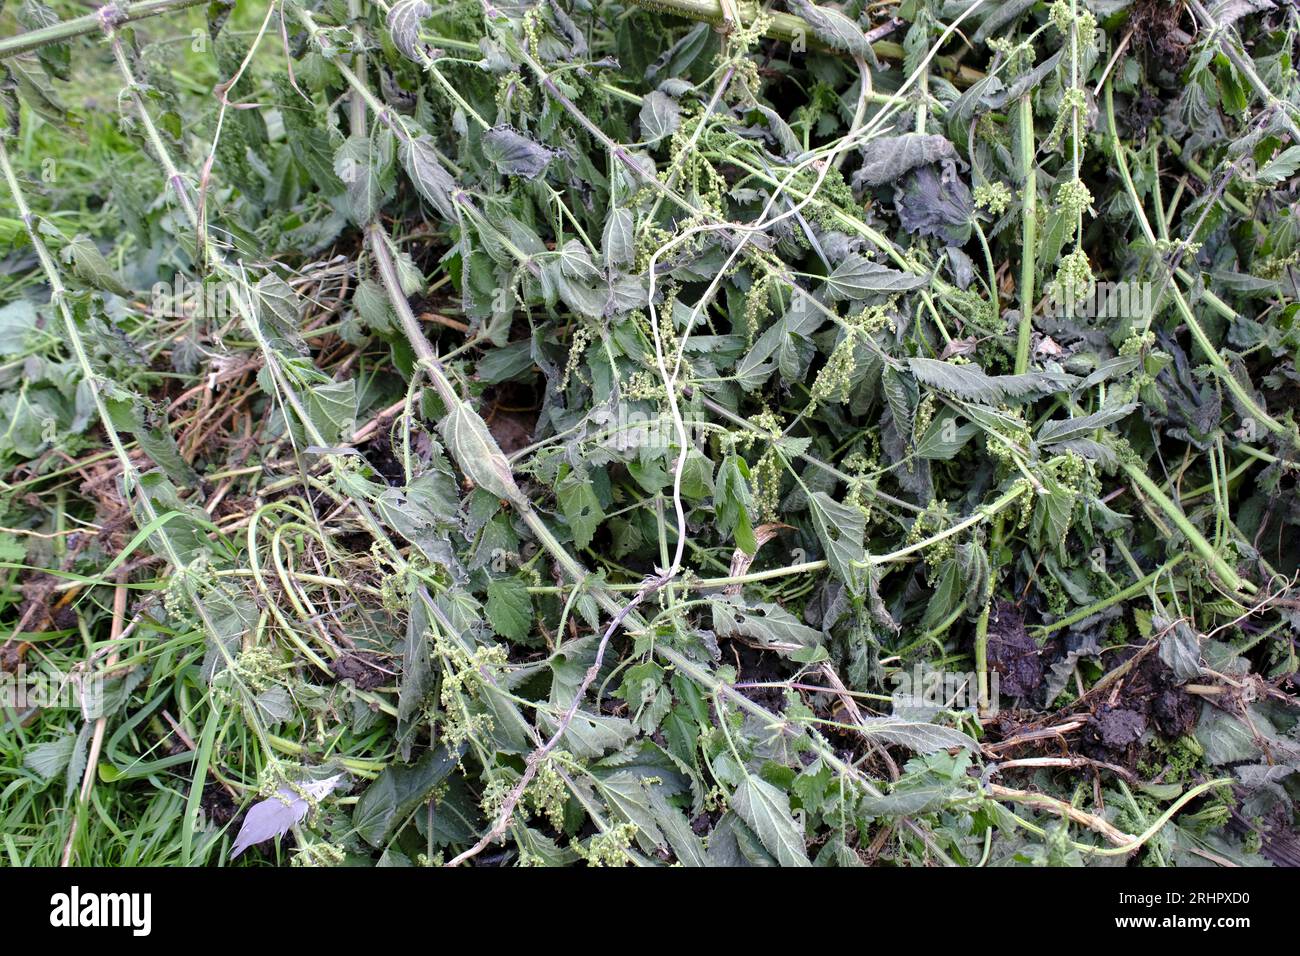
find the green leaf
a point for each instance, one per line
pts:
(769, 624)
(515, 154)
(835, 29)
(660, 116)
(358, 167)
(944, 438)
(858, 278)
(963, 381)
(147, 422)
(916, 735)
(732, 500)
(417, 666)
(509, 608)
(841, 529)
(397, 791)
(767, 810)
(1065, 429)
(48, 760)
(431, 179)
(477, 452)
(332, 409)
(1281, 167)
(404, 27)
(618, 243)
(580, 506)
(18, 331)
(90, 266)
(590, 736)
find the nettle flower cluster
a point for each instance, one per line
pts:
(1074, 277)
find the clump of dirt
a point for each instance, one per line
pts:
(1147, 698)
(38, 608)
(360, 667)
(1175, 712)
(1114, 733)
(1013, 653)
(1155, 27)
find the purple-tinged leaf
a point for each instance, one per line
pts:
(274, 816)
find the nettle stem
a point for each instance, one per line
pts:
(1028, 232)
(108, 15)
(1131, 591)
(1225, 572)
(982, 625)
(980, 515)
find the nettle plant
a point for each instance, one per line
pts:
(627, 402)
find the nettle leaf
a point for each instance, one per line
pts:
(18, 327)
(627, 796)
(55, 57)
(732, 501)
(963, 381)
(48, 760)
(590, 736)
(431, 179)
(576, 263)
(934, 201)
(1180, 648)
(919, 736)
(417, 663)
(404, 20)
(784, 136)
(769, 624)
(477, 452)
(890, 157)
(515, 154)
(359, 165)
(580, 506)
(660, 116)
(1034, 385)
(90, 266)
(835, 29)
(786, 345)
(767, 810)
(148, 423)
(509, 608)
(999, 16)
(582, 297)
(512, 362)
(1225, 738)
(858, 278)
(332, 409)
(1065, 429)
(618, 242)
(1281, 167)
(944, 438)
(399, 789)
(907, 802)
(841, 529)
(903, 396)
(1053, 516)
